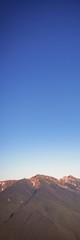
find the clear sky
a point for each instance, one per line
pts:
(39, 88)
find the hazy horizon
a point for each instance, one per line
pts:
(40, 89)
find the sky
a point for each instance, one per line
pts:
(39, 88)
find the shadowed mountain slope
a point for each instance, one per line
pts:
(42, 208)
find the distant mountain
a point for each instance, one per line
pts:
(40, 208)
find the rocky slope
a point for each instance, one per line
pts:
(41, 207)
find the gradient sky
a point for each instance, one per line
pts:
(39, 88)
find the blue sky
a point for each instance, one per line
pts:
(40, 88)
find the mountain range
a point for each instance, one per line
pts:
(40, 208)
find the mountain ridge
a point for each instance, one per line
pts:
(35, 180)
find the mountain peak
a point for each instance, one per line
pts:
(69, 178)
